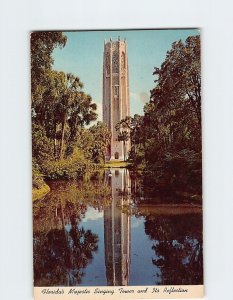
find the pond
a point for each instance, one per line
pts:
(105, 231)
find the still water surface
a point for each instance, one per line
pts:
(105, 231)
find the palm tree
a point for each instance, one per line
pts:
(124, 137)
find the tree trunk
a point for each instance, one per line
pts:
(55, 148)
(124, 150)
(62, 137)
(55, 142)
(134, 143)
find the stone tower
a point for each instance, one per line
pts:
(115, 93)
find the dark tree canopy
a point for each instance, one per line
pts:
(42, 45)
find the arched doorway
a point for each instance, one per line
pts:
(116, 155)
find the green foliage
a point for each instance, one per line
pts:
(138, 158)
(39, 187)
(183, 168)
(102, 138)
(94, 142)
(85, 141)
(41, 145)
(62, 109)
(72, 167)
(174, 113)
(42, 46)
(131, 128)
(123, 128)
(37, 177)
(76, 109)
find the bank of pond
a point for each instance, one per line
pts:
(155, 184)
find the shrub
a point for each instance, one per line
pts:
(37, 177)
(72, 167)
(42, 146)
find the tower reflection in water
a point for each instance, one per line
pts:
(117, 229)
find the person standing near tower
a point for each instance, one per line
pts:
(116, 105)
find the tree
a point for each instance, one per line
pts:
(47, 112)
(41, 145)
(102, 138)
(44, 81)
(42, 46)
(75, 109)
(124, 137)
(64, 107)
(82, 112)
(179, 78)
(134, 127)
(69, 96)
(85, 141)
(173, 116)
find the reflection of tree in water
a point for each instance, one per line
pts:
(62, 249)
(178, 248)
(151, 188)
(61, 255)
(73, 197)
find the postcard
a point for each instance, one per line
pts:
(117, 164)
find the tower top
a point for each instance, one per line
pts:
(112, 41)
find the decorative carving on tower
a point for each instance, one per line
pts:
(107, 60)
(116, 105)
(122, 61)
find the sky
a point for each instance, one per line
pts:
(83, 56)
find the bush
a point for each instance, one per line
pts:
(42, 146)
(74, 166)
(37, 177)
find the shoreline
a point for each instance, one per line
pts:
(41, 192)
(115, 164)
(170, 208)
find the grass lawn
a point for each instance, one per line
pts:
(41, 192)
(116, 164)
